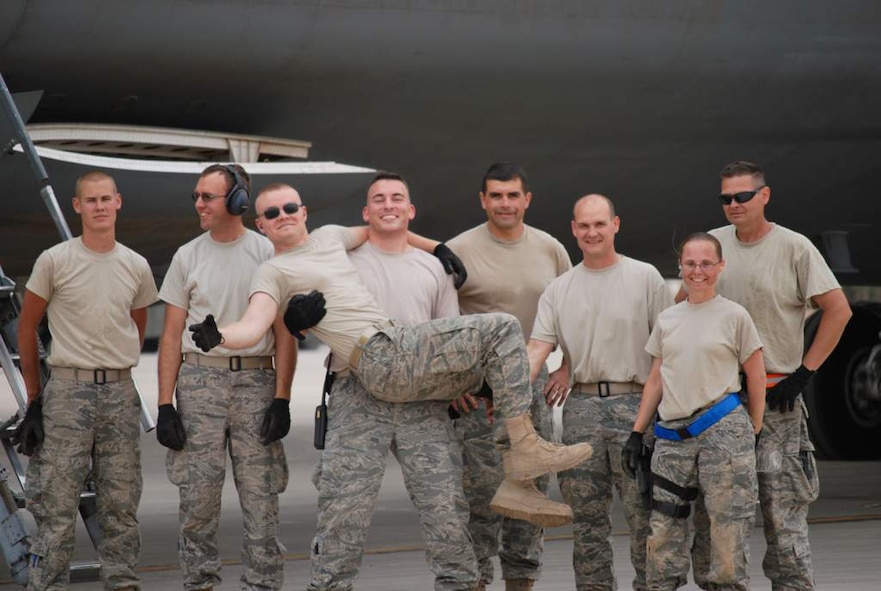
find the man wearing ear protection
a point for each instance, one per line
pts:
(227, 402)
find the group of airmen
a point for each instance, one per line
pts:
(447, 370)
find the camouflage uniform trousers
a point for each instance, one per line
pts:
(788, 483)
(522, 543)
(444, 358)
(223, 409)
(721, 462)
(361, 430)
(606, 424)
(84, 422)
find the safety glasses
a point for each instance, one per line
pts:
(270, 213)
(741, 197)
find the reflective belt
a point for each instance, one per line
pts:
(775, 378)
(712, 416)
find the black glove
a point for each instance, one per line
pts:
(782, 396)
(169, 429)
(276, 422)
(304, 311)
(205, 334)
(453, 265)
(29, 434)
(630, 453)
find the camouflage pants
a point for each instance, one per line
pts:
(721, 462)
(223, 410)
(606, 424)
(442, 359)
(361, 430)
(522, 543)
(84, 422)
(788, 483)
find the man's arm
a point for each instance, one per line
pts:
(836, 313)
(754, 368)
(170, 351)
(258, 318)
(139, 315)
(32, 311)
(285, 359)
(422, 243)
(538, 352)
(651, 398)
(359, 235)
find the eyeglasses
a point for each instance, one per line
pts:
(270, 213)
(206, 197)
(703, 265)
(741, 197)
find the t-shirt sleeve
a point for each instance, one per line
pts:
(653, 346)
(659, 299)
(544, 328)
(747, 337)
(564, 263)
(814, 275)
(267, 280)
(173, 289)
(40, 281)
(146, 285)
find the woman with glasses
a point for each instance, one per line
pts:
(705, 438)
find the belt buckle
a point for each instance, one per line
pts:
(235, 363)
(99, 376)
(608, 386)
(684, 433)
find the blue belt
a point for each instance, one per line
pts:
(713, 415)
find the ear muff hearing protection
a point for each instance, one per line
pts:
(237, 200)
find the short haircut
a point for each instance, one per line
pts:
(92, 177)
(274, 187)
(702, 237)
(387, 176)
(230, 178)
(505, 171)
(594, 196)
(744, 168)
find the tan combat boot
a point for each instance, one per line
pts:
(531, 456)
(481, 586)
(521, 500)
(519, 584)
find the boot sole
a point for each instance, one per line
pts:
(535, 471)
(541, 519)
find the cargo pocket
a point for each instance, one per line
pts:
(278, 468)
(176, 467)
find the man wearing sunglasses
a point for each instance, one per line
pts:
(411, 286)
(232, 402)
(437, 360)
(777, 274)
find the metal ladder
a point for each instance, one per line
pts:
(17, 526)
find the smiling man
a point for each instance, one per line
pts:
(95, 292)
(601, 314)
(227, 402)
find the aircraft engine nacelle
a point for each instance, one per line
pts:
(844, 398)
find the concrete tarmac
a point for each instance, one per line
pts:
(845, 531)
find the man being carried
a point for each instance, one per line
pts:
(437, 360)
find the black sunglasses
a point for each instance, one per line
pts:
(741, 197)
(270, 213)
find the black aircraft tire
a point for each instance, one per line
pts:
(839, 428)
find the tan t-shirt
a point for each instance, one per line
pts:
(411, 287)
(211, 277)
(603, 318)
(91, 296)
(701, 347)
(321, 263)
(508, 276)
(774, 280)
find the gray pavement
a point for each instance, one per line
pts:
(845, 533)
